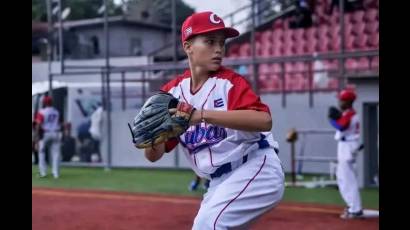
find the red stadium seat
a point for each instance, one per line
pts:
(361, 42)
(371, 3)
(277, 49)
(300, 67)
(358, 28)
(266, 37)
(267, 50)
(277, 35)
(323, 31)
(245, 50)
(371, 27)
(276, 82)
(375, 62)
(298, 35)
(349, 40)
(264, 69)
(363, 63)
(278, 24)
(373, 41)
(300, 47)
(333, 83)
(289, 67)
(358, 16)
(371, 15)
(331, 64)
(288, 49)
(275, 68)
(310, 33)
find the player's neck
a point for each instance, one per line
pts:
(198, 78)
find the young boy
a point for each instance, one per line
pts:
(229, 140)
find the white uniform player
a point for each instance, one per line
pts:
(48, 120)
(245, 173)
(348, 137)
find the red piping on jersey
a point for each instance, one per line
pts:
(264, 159)
(183, 94)
(193, 93)
(202, 107)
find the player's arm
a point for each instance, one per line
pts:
(39, 119)
(245, 120)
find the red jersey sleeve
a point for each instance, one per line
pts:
(242, 97)
(39, 118)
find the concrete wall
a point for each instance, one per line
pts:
(120, 39)
(39, 70)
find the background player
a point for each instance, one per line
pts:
(347, 134)
(48, 131)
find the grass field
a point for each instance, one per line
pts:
(175, 182)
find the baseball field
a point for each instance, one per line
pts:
(91, 198)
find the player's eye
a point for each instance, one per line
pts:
(210, 41)
(222, 43)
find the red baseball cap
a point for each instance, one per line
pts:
(347, 95)
(47, 100)
(204, 22)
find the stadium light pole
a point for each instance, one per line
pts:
(107, 73)
(253, 49)
(175, 54)
(60, 37)
(342, 45)
(49, 46)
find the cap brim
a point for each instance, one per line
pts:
(228, 31)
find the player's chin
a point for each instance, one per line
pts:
(214, 66)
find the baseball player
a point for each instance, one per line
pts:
(228, 141)
(347, 134)
(48, 129)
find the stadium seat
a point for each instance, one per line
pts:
(371, 15)
(358, 28)
(358, 16)
(371, 27)
(375, 62)
(373, 41)
(361, 42)
(245, 50)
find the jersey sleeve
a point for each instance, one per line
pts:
(242, 97)
(39, 118)
(171, 144)
(343, 122)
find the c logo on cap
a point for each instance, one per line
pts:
(214, 19)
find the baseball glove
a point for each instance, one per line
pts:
(334, 113)
(161, 117)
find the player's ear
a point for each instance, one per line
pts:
(187, 45)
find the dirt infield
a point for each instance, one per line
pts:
(60, 209)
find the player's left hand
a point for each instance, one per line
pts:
(334, 113)
(162, 117)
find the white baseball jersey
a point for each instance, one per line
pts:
(347, 126)
(208, 146)
(49, 119)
